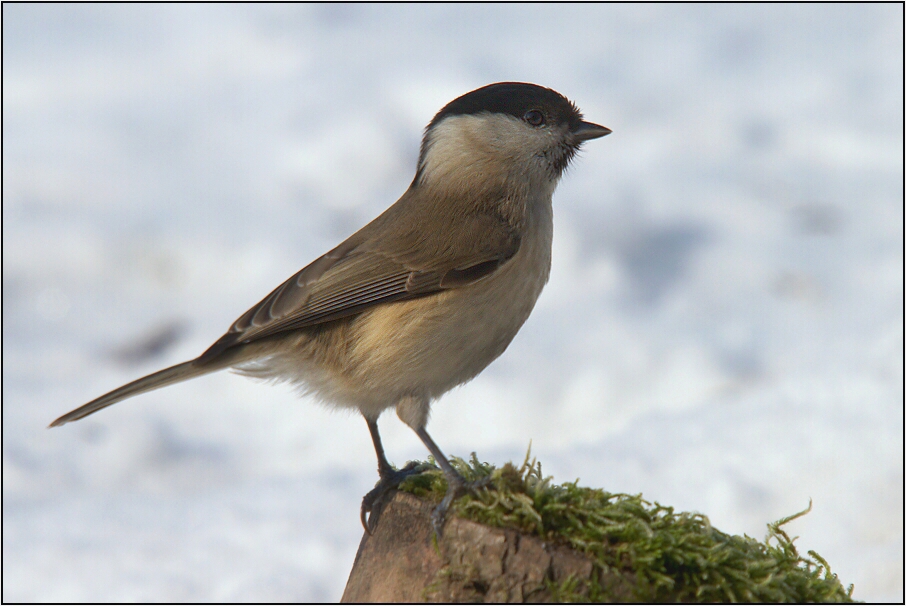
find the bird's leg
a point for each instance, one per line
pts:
(456, 484)
(390, 477)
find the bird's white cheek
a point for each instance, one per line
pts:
(452, 152)
(466, 150)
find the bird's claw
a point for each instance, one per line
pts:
(388, 482)
(455, 488)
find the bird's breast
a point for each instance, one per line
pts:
(431, 344)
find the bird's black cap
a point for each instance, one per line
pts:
(515, 99)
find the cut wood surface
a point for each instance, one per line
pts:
(471, 562)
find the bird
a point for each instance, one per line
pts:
(425, 296)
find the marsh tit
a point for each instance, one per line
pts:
(429, 293)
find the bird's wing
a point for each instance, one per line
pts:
(377, 265)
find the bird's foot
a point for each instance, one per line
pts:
(389, 480)
(456, 487)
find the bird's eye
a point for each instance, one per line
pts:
(534, 117)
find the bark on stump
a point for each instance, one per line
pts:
(471, 563)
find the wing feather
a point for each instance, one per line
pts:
(376, 266)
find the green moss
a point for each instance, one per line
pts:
(669, 556)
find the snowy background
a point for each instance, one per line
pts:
(723, 329)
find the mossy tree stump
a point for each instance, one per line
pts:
(523, 538)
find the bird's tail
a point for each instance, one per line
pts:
(161, 378)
